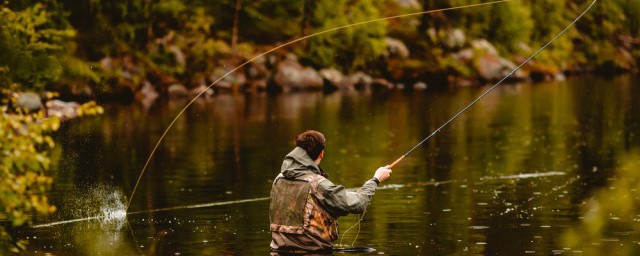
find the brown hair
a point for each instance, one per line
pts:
(311, 141)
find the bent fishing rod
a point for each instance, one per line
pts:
(436, 131)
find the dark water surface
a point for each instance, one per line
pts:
(509, 177)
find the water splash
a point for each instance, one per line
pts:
(102, 205)
(111, 211)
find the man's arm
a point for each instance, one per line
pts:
(339, 201)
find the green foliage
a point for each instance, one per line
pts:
(37, 47)
(24, 160)
(611, 211)
(199, 44)
(61, 41)
(509, 24)
(352, 48)
(31, 46)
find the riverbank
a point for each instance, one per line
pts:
(175, 49)
(473, 63)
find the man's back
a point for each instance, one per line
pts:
(305, 205)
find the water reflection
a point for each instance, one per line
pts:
(461, 193)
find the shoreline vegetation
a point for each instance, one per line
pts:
(142, 50)
(56, 51)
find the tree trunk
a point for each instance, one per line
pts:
(234, 31)
(432, 20)
(425, 18)
(307, 13)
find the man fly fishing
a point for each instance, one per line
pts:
(305, 205)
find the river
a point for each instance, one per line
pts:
(508, 177)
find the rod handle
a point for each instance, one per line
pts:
(396, 162)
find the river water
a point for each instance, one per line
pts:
(509, 177)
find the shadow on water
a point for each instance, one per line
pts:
(477, 187)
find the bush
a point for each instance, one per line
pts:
(24, 161)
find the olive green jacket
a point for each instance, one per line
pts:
(337, 199)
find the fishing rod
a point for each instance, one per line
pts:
(153, 151)
(397, 161)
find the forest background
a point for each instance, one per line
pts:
(85, 50)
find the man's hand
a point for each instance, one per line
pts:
(382, 173)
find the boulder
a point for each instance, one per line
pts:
(360, 80)
(181, 59)
(177, 91)
(30, 101)
(490, 67)
(234, 78)
(409, 3)
(257, 69)
(147, 94)
(106, 62)
(396, 48)
(381, 84)
(61, 109)
(464, 55)
(484, 46)
(208, 92)
(489, 64)
(290, 74)
(334, 78)
(420, 86)
(454, 38)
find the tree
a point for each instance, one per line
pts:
(33, 47)
(351, 48)
(508, 25)
(24, 154)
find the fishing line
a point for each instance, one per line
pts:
(259, 199)
(485, 93)
(274, 49)
(494, 86)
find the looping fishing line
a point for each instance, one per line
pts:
(481, 96)
(360, 217)
(144, 168)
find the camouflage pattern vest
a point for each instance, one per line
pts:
(294, 208)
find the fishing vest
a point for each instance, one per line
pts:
(294, 208)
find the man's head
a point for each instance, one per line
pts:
(313, 142)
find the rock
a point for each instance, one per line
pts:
(177, 91)
(177, 52)
(208, 92)
(455, 38)
(258, 69)
(381, 83)
(396, 48)
(360, 80)
(227, 83)
(291, 75)
(106, 62)
(462, 81)
(408, 3)
(490, 67)
(420, 86)
(333, 77)
(464, 55)
(147, 94)
(30, 101)
(484, 46)
(488, 63)
(61, 109)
